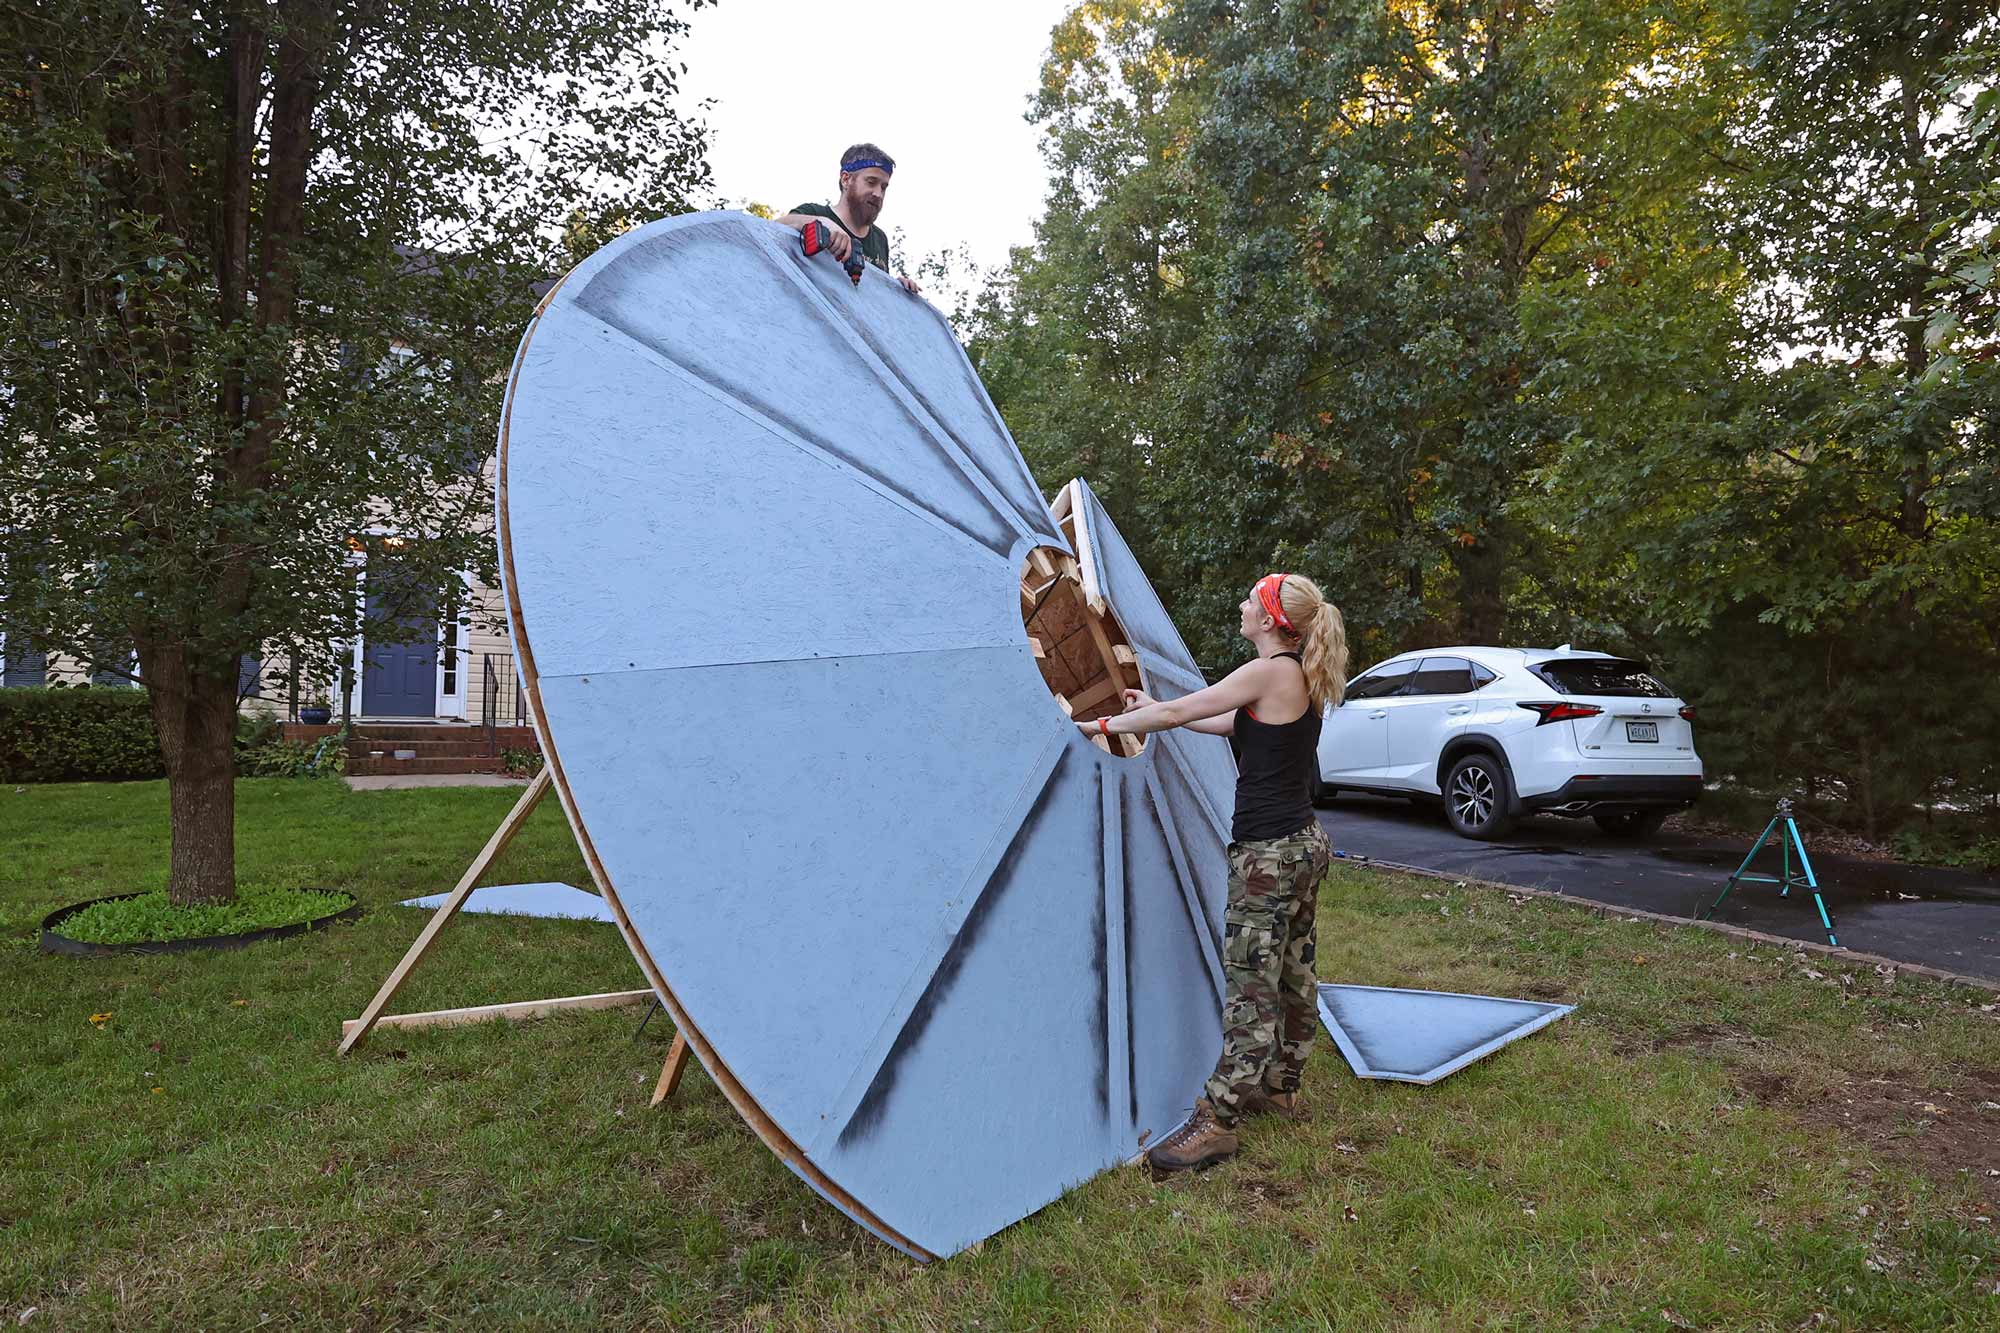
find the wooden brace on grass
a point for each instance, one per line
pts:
(355, 1030)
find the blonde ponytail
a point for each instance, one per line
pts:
(1322, 639)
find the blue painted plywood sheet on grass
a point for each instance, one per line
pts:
(559, 901)
(1420, 1036)
(763, 532)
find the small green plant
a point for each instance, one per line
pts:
(150, 917)
(521, 763)
(323, 758)
(1948, 845)
(256, 730)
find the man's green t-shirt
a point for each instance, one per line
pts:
(874, 246)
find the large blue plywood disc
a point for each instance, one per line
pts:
(762, 533)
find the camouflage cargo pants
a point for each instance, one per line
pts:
(1267, 1024)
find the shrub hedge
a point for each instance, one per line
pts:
(77, 735)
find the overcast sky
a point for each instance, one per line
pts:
(941, 87)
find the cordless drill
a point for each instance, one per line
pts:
(817, 236)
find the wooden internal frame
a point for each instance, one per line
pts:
(1078, 643)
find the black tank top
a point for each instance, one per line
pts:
(1274, 773)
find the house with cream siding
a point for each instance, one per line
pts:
(449, 701)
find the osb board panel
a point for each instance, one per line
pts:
(928, 952)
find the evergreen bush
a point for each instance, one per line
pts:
(77, 734)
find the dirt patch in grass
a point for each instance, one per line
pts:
(1948, 1135)
(1695, 1037)
(1255, 1192)
(1249, 1292)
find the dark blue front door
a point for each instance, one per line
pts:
(400, 679)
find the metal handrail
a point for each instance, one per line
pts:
(503, 703)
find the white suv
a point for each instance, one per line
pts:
(1501, 732)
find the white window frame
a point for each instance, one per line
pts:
(453, 634)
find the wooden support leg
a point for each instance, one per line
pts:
(358, 1031)
(670, 1073)
(1064, 503)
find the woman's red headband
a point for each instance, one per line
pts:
(1268, 589)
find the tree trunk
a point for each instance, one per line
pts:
(1865, 781)
(194, 715)
(1482, 605)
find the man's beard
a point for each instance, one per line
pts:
(863, 211)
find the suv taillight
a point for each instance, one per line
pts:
(1561, 712)
(1687, 712)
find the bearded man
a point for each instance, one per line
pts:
(864, 182)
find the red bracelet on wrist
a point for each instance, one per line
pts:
(1104, 726)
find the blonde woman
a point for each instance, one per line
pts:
(1272, 705)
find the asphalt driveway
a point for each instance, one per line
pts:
(1948, 919)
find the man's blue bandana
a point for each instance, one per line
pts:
(866, 163)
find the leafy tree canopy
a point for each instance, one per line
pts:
(266, 265)
(1655, 327)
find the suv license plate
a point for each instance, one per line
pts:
(1642, 731)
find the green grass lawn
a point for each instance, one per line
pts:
(1721, 1136)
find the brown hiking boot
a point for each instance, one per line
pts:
(1265, 1101)
(1200, 1143)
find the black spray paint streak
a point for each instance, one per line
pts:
(615, 283)
(1182, 894)
(1100, 963)
(874, 1103)
(1188, 815)
(1031, 523)
(1125, 842)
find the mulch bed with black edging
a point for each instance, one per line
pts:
(54, 941)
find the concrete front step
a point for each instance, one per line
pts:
(359, 746)
(442, 731)
(441, 750)
(386, 765)
(376, 736)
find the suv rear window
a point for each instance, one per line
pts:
(1601, 675)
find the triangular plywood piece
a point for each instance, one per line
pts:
(1419, 1036)
(555, 901)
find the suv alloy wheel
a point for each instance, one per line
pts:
(1477, 797)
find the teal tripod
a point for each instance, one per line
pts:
(1787, 841)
